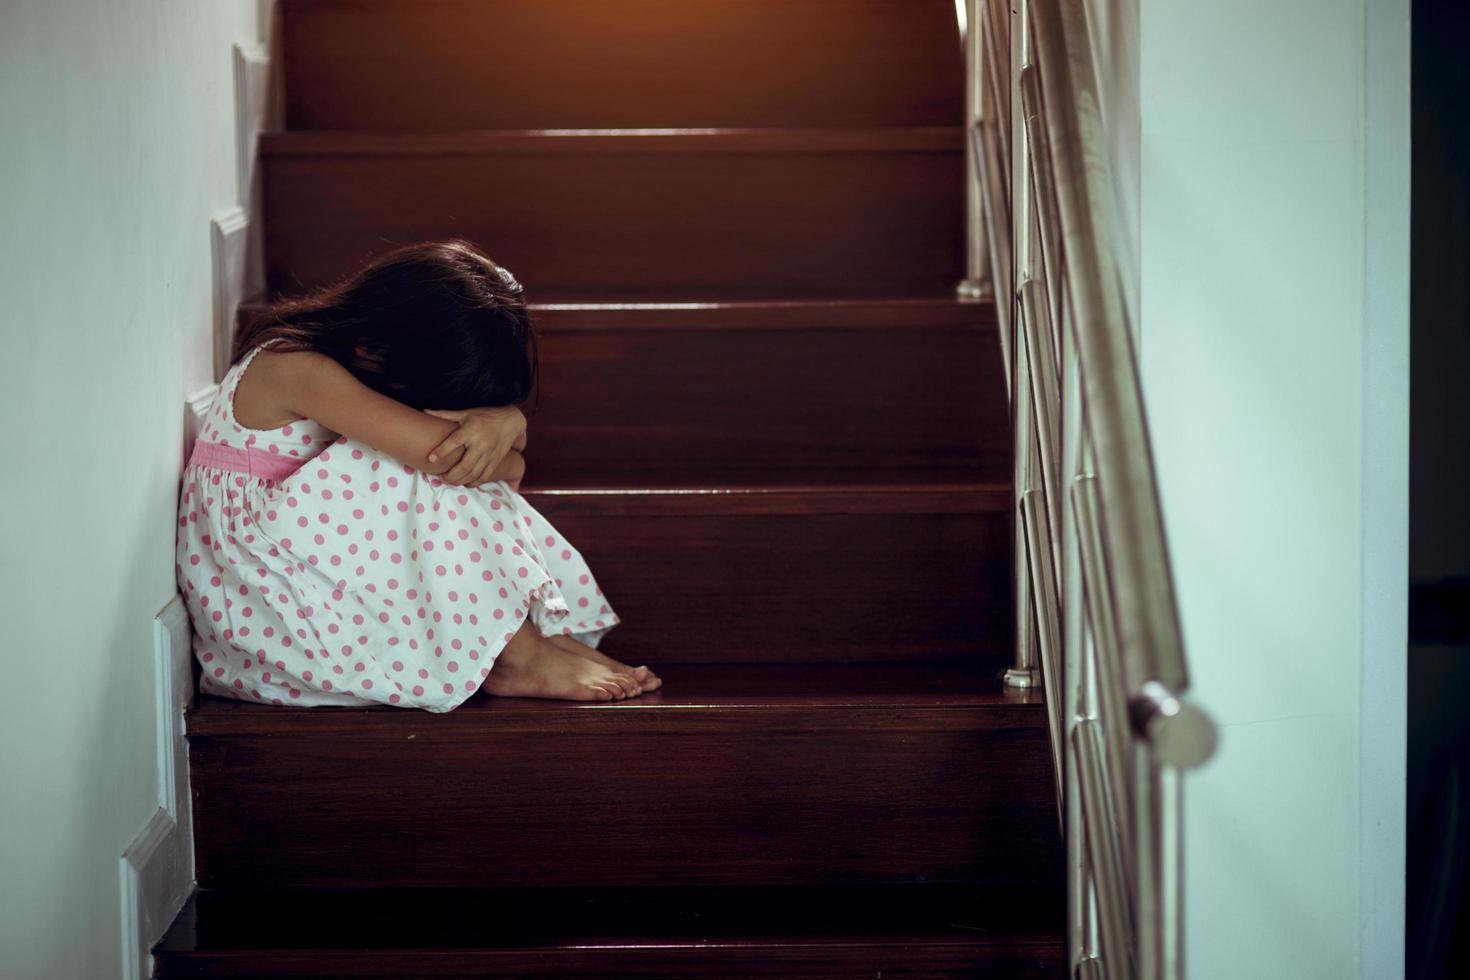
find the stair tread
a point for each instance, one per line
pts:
(570, 918)
(695, 697)
(641, 488)
(845, 139)
(931, 304)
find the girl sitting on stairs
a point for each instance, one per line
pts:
(350, 529)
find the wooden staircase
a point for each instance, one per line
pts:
(779, 438)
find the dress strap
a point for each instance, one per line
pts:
(244, 362)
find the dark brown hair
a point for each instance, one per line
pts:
(433, 325)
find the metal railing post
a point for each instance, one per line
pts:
(977, 283)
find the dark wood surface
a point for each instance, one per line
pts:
(627, 400)
(696, 699)
(722, 141)
(687, 211)
(881, 578)
(865, 390)
(851, 306)
(509, 64)
(867, 774)
(854, 930)
(724, 492)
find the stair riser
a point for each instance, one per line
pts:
(663, 401)
(438, 809)
(620, 220)
(797, 587)
(508, 64)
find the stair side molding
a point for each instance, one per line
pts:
(156, 871)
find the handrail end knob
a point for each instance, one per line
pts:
(1179, 732)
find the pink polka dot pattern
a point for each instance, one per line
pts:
(358, 579)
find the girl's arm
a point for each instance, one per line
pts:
(484, 435)
(511, 469)
(316, 387)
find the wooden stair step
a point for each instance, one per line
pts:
(696, 698)
(489, 64)
(740, 774)
(774, 572)
(798, 932)
(851, 386)
(644, 389)
(851, 306)
(713, 209)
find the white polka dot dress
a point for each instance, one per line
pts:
(318, 571)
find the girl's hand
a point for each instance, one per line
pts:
(486, 435)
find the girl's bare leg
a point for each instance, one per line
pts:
(647, 679)
(532, 666)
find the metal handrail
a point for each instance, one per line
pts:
(1152, 645)
(1095, 595)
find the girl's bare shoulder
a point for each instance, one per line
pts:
(263, 394)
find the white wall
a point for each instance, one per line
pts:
(118, 145)
(1274, 342)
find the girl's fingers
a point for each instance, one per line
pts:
(453, 415)
(456, 439)
(466, 468)
(458, 472)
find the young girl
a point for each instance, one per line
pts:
(349, 526)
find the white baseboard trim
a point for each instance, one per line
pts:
(255, 98)
(156, 871)
(229, 239)
(156, 875)
(252, 108)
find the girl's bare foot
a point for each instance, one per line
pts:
(532, 666)
(647, 679)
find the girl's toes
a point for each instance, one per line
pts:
(653, 683)
(599, 693)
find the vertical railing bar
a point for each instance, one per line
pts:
(1036, 657)
(1043, 588)
(1103, 855)
(1044, 189)
(1171, 872)
(1110, 703)
(1045, 401)
(1082, 927)
(1150, 900)
(977, 283)
(1023, 232)
(1027, 670)
(998, 227)
(1023, 252)
(1000, 88)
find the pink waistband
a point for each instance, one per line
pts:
(254, 462)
